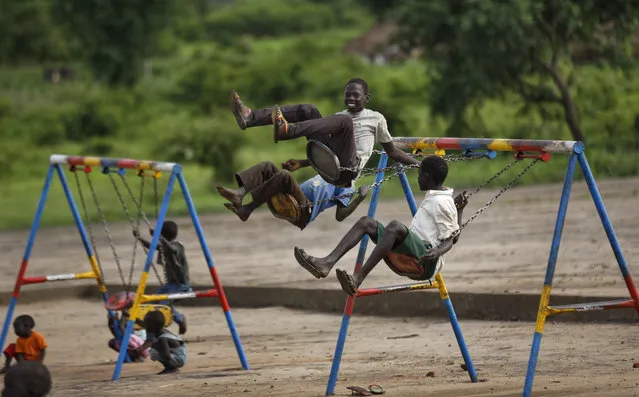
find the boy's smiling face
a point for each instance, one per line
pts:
(354, 97)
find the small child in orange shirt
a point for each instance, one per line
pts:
(30, 345)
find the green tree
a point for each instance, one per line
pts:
(114, 36)
(488, 49)
(27, 32)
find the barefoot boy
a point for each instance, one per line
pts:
(431, 234)
(166, 347)
(350, 134)
(264, 181)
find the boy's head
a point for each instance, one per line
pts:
(432, 173)
(356, 94)
(169, 230)
(23, 325)
(27, 379)
(154, 321)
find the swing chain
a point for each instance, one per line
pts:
(141, 214)
(398, 168)
(87, 221)
(492, 178)
(501, 192)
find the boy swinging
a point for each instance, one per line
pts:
(431, 234)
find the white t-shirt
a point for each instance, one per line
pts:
(369, 128)
(436, 219)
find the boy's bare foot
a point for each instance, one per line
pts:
(241, 112)
(310, 264)
(239, 211)
(168, 370)
(280, 125)
(231, 195)
(346, 281)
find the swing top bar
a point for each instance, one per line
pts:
(61, 159)
(499, 145)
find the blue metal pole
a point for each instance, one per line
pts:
(460, 339)
(147, 265)
(348, 309)
(209, 262)
(550, 269)
(607, 224)
(450, 310)
(27, 254)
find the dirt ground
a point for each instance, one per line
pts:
(290, 355)
(504, 250)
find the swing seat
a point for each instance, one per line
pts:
(120, 301)
(324, 161)
(284, 206)
(411, 267)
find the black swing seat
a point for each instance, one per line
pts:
(408, 266)
(284, 206)
(324, 161)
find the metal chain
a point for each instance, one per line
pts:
(87, 221)
(398, 169)
(492, 178)
(105, 225)
(138, 204)
(133, 225)
(501, 192)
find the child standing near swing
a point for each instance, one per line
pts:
(172, 257)
(30, 345)
(430, 235)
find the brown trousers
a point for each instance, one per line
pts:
(264, 181)
(336, 132)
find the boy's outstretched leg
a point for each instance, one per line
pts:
(320, 267)
(387, 238)
(247, 117)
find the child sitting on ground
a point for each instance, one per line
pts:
(135, 341)
(431, 234)
(166, 347)
(30, 345)
(315, 195)
(27, 379)
(176, 268)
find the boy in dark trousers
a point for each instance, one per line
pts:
(350, 134)
(176, 267)
(314, 196)
(431, 234)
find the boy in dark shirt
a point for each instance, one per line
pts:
(176, 268)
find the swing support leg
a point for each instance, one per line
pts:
(350, 302)
(145, 274)
(216, 281)
(26, 256)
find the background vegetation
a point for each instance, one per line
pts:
(153, 77)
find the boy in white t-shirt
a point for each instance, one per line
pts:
(416, 251)
(350, 134)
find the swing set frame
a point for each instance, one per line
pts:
(539, 150)
(79, 164)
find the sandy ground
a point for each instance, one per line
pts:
(503, 250)
(290, 355)
(506, 249)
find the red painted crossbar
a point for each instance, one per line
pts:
(592, 306)
(396, 288)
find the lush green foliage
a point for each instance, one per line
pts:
(178, 109)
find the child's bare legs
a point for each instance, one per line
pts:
(235, 196)
(320, 267)
(394, 233)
